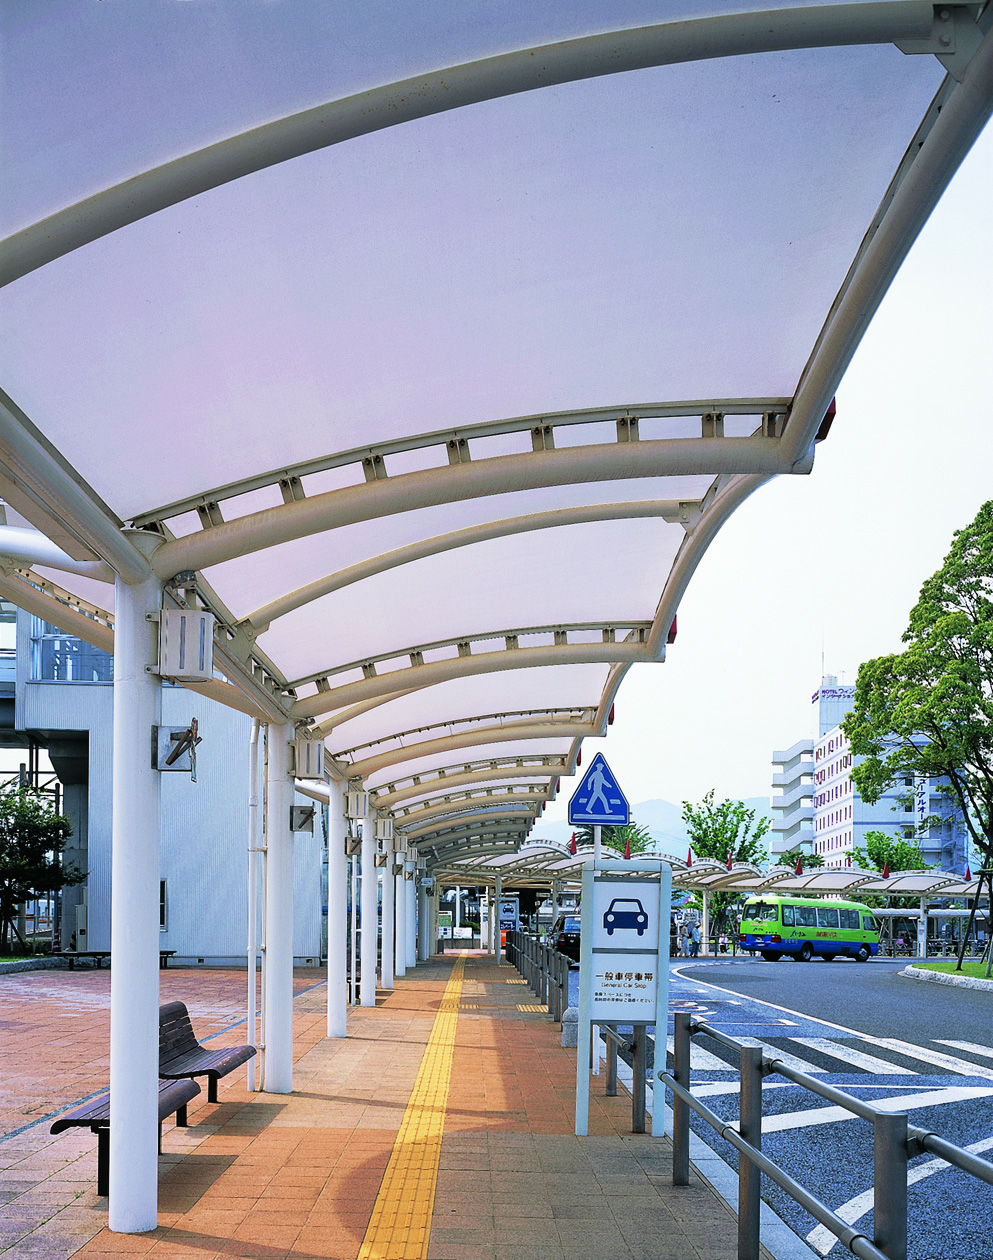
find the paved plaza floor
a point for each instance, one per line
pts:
(440, 1128)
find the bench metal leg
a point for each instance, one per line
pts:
(160, 1137)
(181, 1121)
(103, 1162)
(212, 1089)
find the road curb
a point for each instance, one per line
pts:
(943, 977)
(31, 964)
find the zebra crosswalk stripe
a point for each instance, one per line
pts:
(847, 1053)
(702, 1059)
(903, 1102)
(961, 1067)
(972, 1048)
(791, 1060)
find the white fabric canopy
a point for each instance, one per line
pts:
(443, 414)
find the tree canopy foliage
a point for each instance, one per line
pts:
(790, 857)
(718, 832)
(883, 852)
(32, 843)
(929, 709)
(618, 837)
(725, 830)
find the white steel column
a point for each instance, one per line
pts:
(410, 895)
(389, 919)
(277, 1031)
(422, 923)
(253, 896)
(134, 976)
(705, 923)
(369, 923)
(337, 912)
(400, 897)
(498, 938)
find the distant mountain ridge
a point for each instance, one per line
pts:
(663, 819)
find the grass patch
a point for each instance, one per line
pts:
(970, 967)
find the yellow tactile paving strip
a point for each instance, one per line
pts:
(400, 1227)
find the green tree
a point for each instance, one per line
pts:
(789, 858)
(32, 844)
(884, 852)
(928, 710)
(617, 837)
(718, 832)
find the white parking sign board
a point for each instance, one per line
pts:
(624, 958)
(624, 954)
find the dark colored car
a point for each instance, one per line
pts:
(625, 912)
(564, 935)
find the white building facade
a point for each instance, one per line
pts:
(63, 701)
(914, 809)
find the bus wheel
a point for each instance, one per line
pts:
(828, 957)
(770, 956)
(806, 952)
(863, 954)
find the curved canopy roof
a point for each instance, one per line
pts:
(439, 341)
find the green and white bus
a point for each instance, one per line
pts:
(801, 927)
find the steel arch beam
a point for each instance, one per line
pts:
(388, 800)
(261, 619)
(405, 822)
(496, 734)
(510, 820)
(433, 672)
(437, 92)
(500, 474)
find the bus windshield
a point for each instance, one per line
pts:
(761, 910)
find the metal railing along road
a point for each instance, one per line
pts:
(545, 970)
(895, 1142)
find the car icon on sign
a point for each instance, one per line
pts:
(625, 912)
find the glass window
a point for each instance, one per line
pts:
(805, 916)
(849, 919)
(762, 910)
(60, 657)
(827, 918)
(787, 916)
(869, 924)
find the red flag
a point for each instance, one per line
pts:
(968, 873)
(689, 857)
(627, 849)
(798, 869)
(572, 843)
(886, 870)
(729, 861)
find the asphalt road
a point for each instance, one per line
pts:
(870, 997)
(879, 1036)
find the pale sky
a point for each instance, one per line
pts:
(832, 562)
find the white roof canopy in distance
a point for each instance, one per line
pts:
(440, 349)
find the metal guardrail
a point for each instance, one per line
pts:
(545, 970)
(895, 1142)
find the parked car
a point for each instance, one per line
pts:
(564, 935)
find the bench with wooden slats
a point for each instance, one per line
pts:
(181, 1055)
(95, 1115)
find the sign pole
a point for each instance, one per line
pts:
(596, 843)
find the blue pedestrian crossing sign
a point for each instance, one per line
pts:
(598, 799)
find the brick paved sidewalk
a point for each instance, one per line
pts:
(273, 1177)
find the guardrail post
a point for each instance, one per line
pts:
(639, 1058)
(680, 1110)
(890, 1192)
(749, 1177)
(611, 1088)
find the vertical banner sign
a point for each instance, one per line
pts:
(624, 955)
